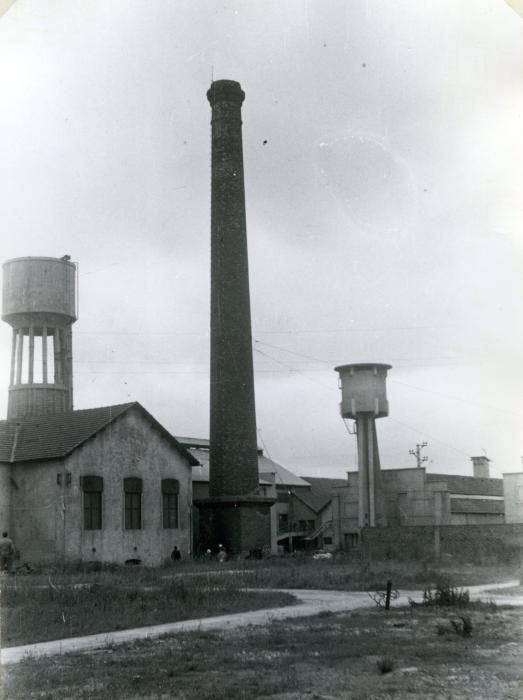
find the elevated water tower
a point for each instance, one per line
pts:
(363, 399)
(39, 303)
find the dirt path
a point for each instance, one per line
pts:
(311, 602)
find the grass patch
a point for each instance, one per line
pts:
(35, 613)
(54, 603)
(339, 656)
(344, 573)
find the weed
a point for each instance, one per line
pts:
(463, 626)
(385, 664)
(380, 597)
(443, 595)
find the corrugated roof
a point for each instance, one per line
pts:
(476, 505)
(282, 476)
(469, 485)
(199, 443)
(57, 434)
(266, 467)
(320, 493)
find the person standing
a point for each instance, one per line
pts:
(175, 554)
(7, 552)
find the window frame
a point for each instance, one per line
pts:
(170, 504)
(92, 502)
(133, 510)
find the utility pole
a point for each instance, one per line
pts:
(291, 521)
(417, 454)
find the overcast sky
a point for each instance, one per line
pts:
(384, 178)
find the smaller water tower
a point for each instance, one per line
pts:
(39, 303)
(363, 399)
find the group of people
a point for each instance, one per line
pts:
(221, 554)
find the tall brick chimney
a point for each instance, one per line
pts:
(235, 515)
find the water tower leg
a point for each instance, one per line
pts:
(363, 472)
(370, 496)
(371, 468)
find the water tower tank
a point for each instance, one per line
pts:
(363, 399)
(363, 389)
(39, 303)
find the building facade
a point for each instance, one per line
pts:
(107, 484)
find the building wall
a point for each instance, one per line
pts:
(37, 510)
(410, 500)
(465, 543)
(477, 518)
(49, 515)
(513, 493)
(5, 498)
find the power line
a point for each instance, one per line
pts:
(291, 352)
(353, 330)
(291, 369)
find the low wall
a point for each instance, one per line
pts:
(468, 543)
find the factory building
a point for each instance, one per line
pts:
(107, 484)
(415, 498)
(274, 482)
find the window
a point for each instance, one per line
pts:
(302, 525)
(283, 522)
(311, 524)
(133, 503)
(92, 487)
(170, 489)
(354, 539)
(327, 540)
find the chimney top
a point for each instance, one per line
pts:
(481, 466)
(225, 91)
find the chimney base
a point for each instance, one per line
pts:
(239, 523)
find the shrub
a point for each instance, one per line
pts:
(444, 595)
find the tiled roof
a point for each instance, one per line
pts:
(320, 492)
(7, 435)
(57, 434)
(469, 485)
(476, 505)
